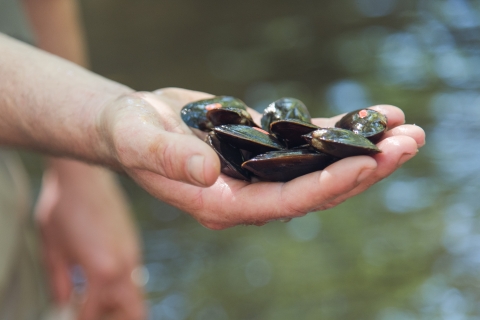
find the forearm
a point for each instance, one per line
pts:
(58, 28)
(50, 105)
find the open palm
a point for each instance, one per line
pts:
(168, 160)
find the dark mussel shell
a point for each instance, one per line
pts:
(248, 138)
(291, 131)
(340, 143)
(283, 109)
(231, 158)
(228, 115)
(286, 165)
(366, 122)
(195, 114)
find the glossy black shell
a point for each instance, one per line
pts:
(248, 138)
(284, 109)
(229, 115)
(195, 114)
(340, 143)
(291, 131)
(293, 146)
(286, 165)
(231, 158)
(366, 122)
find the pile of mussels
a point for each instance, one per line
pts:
(289, 145)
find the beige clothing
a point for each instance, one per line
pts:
(21, 279)
(24, 293)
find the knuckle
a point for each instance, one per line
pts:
(140, 95)
(329, 205)
(108, 270)
(167, 91)
(130, 98)
(291, 210)
(173, 124)
(289, 206)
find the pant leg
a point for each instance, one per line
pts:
(24, 293)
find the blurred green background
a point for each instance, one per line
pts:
(409, 248)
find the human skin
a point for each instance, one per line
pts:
(82, 214)
(229, 202)
(85, 221)
(84, 116)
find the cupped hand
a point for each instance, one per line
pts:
(152, 144)
(85, 221)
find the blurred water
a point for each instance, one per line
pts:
(409, 248)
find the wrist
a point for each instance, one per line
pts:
(103, 115)
(105, 121)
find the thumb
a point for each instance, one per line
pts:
(180, 157)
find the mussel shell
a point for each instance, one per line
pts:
(367, 122)
(291, 131)
(286, 165)
(195, 114)
(231, 158)
(229, 115)
(283, 109)
(248, 138)
(340, 143)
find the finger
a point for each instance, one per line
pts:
(230, 202)
(175, 156)
(178, 97)
(116, 296)
(395, 117)
(91, 306)
(59, 275)
(322, 187)
(262, 202)
(128, 301)
(157, 140)
(396, 150)
(410, 130)
(256, 116)
(97, 298)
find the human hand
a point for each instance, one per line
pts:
(85, 221)
(153, 145)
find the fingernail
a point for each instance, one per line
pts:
(195, 168)
(365, 173)
(404, 158)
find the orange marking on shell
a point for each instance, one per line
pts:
(363, 113)
(260, 130)
(213, 106)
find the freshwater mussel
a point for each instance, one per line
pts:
(195, 114)
(288, 146)
(285, 109)
(366, 122)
